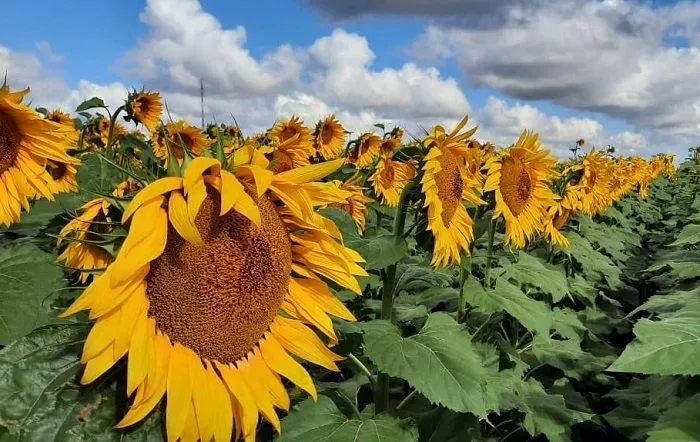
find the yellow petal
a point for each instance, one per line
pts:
(261, 176)
(196, 168)
(241, 392)
(233, 195)
(180, 219)
(279, 361)
(159, 187)
(139, 352)
(307, 174)
(179, 391)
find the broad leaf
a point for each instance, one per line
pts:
(688, 236)
(28, 279)
(440, 361)
(91, 103)
(310, 421)
(678, 424)
(379, 252)
(533, 314)
(532, 271)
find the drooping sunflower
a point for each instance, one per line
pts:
(145, 108)
(329, 137)
(81, 253)
(27, 142)
(365, 150)
(621, 178)
(520, 178)
(174, 136)
(446, 184)
(355, 204)
(557, 215)
(196, 294)
(64, 119)
(389, 179)
(391, 142)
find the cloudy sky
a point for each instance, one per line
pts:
(620, 72)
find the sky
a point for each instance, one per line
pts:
(614, 72)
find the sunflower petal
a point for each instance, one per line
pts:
(180, 219)
(156, 188)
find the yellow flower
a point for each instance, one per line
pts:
(553, 223)
(365, 150)
(80, 253)
(175, 136)
(391, 142)
(591, 193)
(355, 204)
(145, 108)
(63, 175)
(291, 143)
(390, 177)
(446, 183)
(329, 138)
(195, 293)
(27, 142)
(520, 178)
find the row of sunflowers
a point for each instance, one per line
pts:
(212, 268)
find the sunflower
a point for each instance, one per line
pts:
(355, 204)
(389, 179)
(391, 142)
(64, 119)
(556, 217)
(365, 150)
(329, 137)
(27, 142)
(520, 179)
(174, 136)
(590, 194)
(214, 289)
(63, 175)
(145, 108)
(621, 179)
(445, 184)
(476, 156)
(82, 253)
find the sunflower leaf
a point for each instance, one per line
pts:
(532, 271)
(689, 235)
(28, 278)
(91, 103)
(440, 362)
(322, 420)
(381, 251)
(678, 424)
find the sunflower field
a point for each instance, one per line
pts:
(161, 281)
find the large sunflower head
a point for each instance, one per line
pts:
(520, 178)
(389, 179)
(365, 150)
(329, 137)
(446, 185)
(145, 108)
(178, 136)
(215, 291)
(27, 142)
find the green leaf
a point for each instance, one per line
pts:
(380, 252)
(309, 421)
(28, 278)
(42, 401)
(668, 346)
(92, 103)
(415, 278)
(534, 315)
(678, 424)
(344, 222)
(96, 175)
(689, 235)
(43, 212)
(440, 361)
(532, 271)
(596, 266)
(545, 413)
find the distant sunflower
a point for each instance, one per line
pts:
(365, 150)
(355, 204)
(446, 183)
(292, 144)
(329, 137)
(621, 179)
(27, 142)
(390, 178)
(64, 177)
(476, 157)
(145, 108)
(81, 253)
(175, 135)
(591, 193)
(391, 143)
(60, 117)
(195, 293)
(520, 179)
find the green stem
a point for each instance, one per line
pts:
(464, 272)
(388, 288)
(489, 253)
(112, 122)
(406, 399)
(363, 368)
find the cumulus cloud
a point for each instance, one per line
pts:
(610, 57)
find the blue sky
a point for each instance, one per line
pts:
(492, 67)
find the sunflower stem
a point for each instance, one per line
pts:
(363, 368)
(112, 122)
(464, 273)
(381, 401)
(489, 253)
